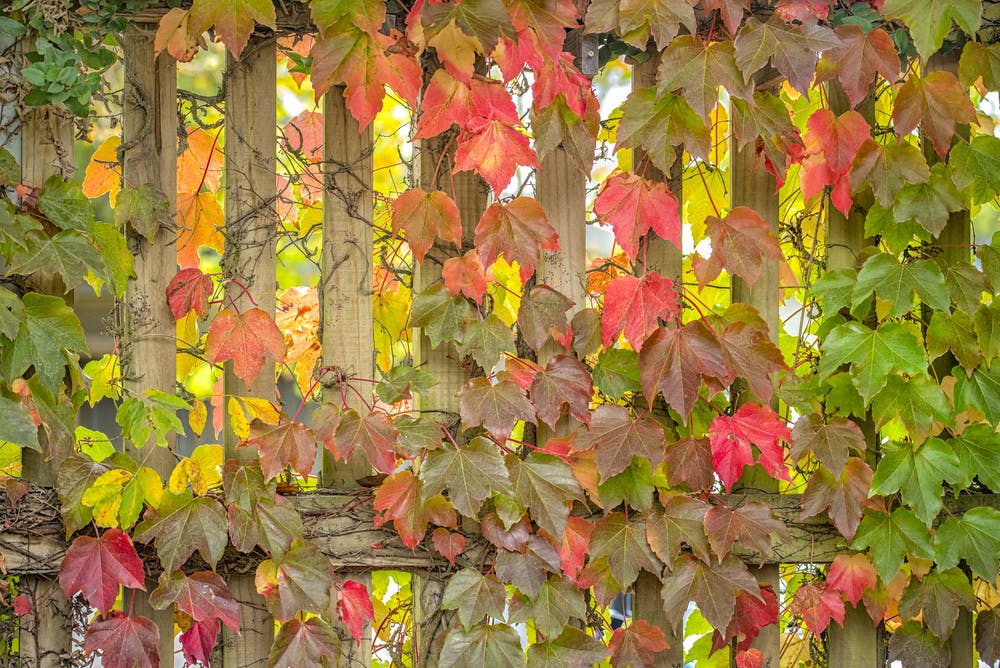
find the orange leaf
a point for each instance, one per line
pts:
(199, 220)
(248, 339)
(175, 35)
(103, 175)
(200, 163)
(233, 20)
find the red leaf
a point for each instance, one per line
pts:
(851, 575)
(425, 216)
(632, 206)
(97, 566)
(689, 462)
(575, 546)
(280, 446)
(750, 658)
(124, 642)
(818, 606)
(617, 437)
(741, 242)
(730, 10)
(541, 26)
(751, 615)
(465, 275)
(831, 144)
(445, 102)
(374, 433)
(400, 499)
(749, 352)
(636, 644)
(843, 497)
(563, 386)
(751, 524)
(249, 339)
(731, 438)
(21, 605)
(635, 306)
(203, 596)
(304, 134)
(936, 102)
(857, 59)
(494, 149)
(189, 291)
(519, 230)
(558, 76)
(354, 606)
(490, 100)
(448, 544)
(301, 644)
(803, 11)
(199, 640)
(674, 361)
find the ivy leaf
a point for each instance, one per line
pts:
(790, 50)
(954, 332)
(830, 441)
(233, 20)
(425, 216)
(354, 608)
(981, 390)
(741, 242)
(712, 587)
(471, 474)
(978, 450)
(374, 433)
(749, 352)
(494, 149)
(286, 444)
(930, 20)
(76, 474)
(558, 600)
(658, 122)
(674, 361)
(203, 596)
(842, 497)
(818, 606)
(852, 575)
(637, 21)
(188, 291)
(913, 645)
(496, 407)
(544, 485)
(300, 582)
(616, 372)
(486, 340)
(564, 385)
(97, 566)
(68, 254)
(936, 102)
(980, 60)
(682, 520)
(617, 437)
(929, 204)
(465, 275)
(182, 524)
(482, 645)
(977, 164)
(633, 486)
(937, 597)
(973, 537)
(249, 339)
(896, 283)
(768, 122)
(731, 438)
(892, 537)
(623, 543)
(448, 544)
(17, 425)
(632, 206)
(519, 230)
(439, 315)
(543, 315)
(400, 499)
(446, 102)
(307, 643)
(831, 145)
(752, 614)
(571, 649)
(887, 168)
(752, 524)
(144, 208)
(689, 462)
(199, 640)
(858, 58)
(636, 644)
(698, 69)
(918, 401)
(123, 641)
(635, 306)
(557, 125)
(400, 383)
(366, 15)
(988, 635)
(872, 354)
(49, 327)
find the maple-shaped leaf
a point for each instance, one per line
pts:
(623, 542)
(486, 340)
(563, 386)
(233, 20)
(633, 206)
(445, 102)
(189, 291)
(803, 11)
(496, 407)
(657, 123)
(249, 339)
(286, 444)
(935, 102)
(913, 645)
(471, 474)
(673, 361)
(752, 524)
(300, 582)
(698, 69)
(448, 544)
(198, 641)
(519, 230)
(713, 587)
(930, 20)
(617, 437)
(558, 76)
(544, 485)
(365, 62)
(542, 315)
(792, 50)
(741, 243)
(474, 596)
(749, 352)
(980, 60)
(440, 316)
(682, 520)
(425, 216)
(182, 524)
(851, 575)
(307, 643)
(988, 635)
(891, 537)
(975, 167)
(635, 306)
(494, 149)
(465, 275)
(173, 33)
(374, 433)
(872, 354)
(354, 608)
(573, 648)
(842, 496)
(887, 168)
(558, 126)
(636, 644)
(831, 143)
(574, 546)
(199, 222)
(830, 440)
(400, 499)
(918, 402)
(974, 537)
(858, 58)
(917, 472)
(558, 600)
(482, 645)
(731, 11)
(752, 614)
(203, 596)
(819, 605)
(123, 641)
(731, 438)
(637, 21)
(689, 462)
(937, 598)
(97, 566)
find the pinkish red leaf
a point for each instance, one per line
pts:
(448, 544)
(831, 144)
(465, 275)
(751, 615)
(563, 386)
(199, 640)
(635, 306)
(857, 59)
(519, 230)
(426, 216)
(633, 206)
(98, 566)
(741, 243)
(636, 644)
(818, 605)
(249, 339)
(286, 444)
(354, 606)
(731, 438)
(304, 134)
(852, 575)
(495, 149)
(203, 596)
(21, 605)
(675, 360)
(445, 103)
(124, 642)
(936, 103)
(374, 433)
(749, 658)
(189, 291)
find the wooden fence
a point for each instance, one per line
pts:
(339, 516)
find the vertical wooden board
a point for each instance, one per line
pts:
(561, 189)
(856, 644)
(251, 246)
(346, 295)
(149, 350)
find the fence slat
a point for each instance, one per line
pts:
(45, 637)
(251, 244)
(149, 350)
(346, 293)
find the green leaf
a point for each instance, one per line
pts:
(471, 474)
(891, 537)
(966, 285)
(183, 524)
(978, 450)
(401, 381)
(64, 203)
(545, 485)
(10, 171)
(895, 235)
(913, 645)
(118, 261)
(836, 288)
(953, 332)
(16, 425)
(896, 283)
(929, 204)
(617, 372)
(976, 166)
(572, 649)
(917, 473)
(153, 413)
(981, 390)
(930, 20)
(49, 327)
(475, 596)
(144, 208)
(633, 486)
(558, 600)
(975, 537)
(657, 123)
(76, 474)
(623, 543)
(440, 316)
(493, 645)
(887, 168)
(938, 596)
(986, 322)
(68, 254)
(486, 340)
(11, 312)
(872, 354)
(918, 401)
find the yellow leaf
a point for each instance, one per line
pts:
(151, 485)
(262, 409)
(209, 458)
(105, 379)
(105, 496)
(187, 471)
(102, 174)
(187, 337)
(237, 419)
(197, 416)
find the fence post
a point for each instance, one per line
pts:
(149, 350)
(45, 637)
(251, 245)
(346, 291)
